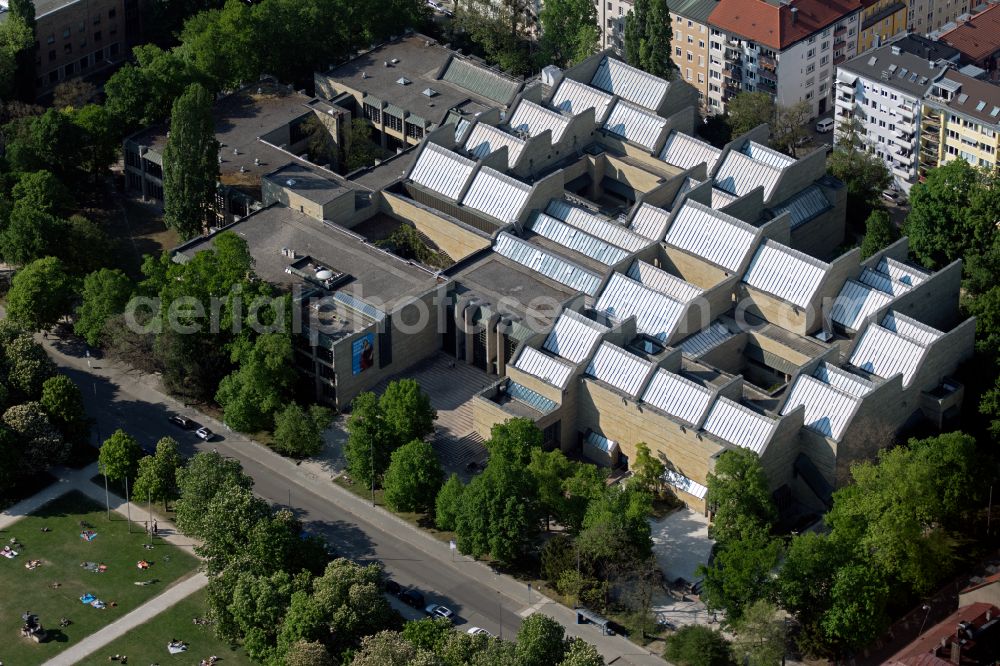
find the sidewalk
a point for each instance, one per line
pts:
(316, 477)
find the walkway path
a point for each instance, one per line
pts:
(80, 480)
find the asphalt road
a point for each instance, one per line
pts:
(143, 412)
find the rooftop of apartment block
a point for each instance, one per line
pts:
(777, 24)
(893, 67)
(425, 78)
(696, 10)
(978, 36)
(970, 635)
(925, 48)
(973, 97)
(281, 238)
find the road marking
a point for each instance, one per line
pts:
(529, 610)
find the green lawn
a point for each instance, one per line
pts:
(148, 644)
(61, 551)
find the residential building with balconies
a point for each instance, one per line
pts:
(961, 121)
(789, 50)
(882, 91)
(977, 38)
(881, 20)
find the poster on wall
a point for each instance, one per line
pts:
(363, 353)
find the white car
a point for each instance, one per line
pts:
(825, 125)
(433, 4)
(437, 610)
(204, 433)
(479, 631)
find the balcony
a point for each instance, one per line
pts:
(904, 125)
(767, 85)
(905, 174)
(839, 59)
(841, 30)
(906, 111)
(767, 63)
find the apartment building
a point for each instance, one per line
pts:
(977, 38)
(881, 20)
(882, 90)
(787, 49)
(961, 120)
(925, 16)
(77, 38)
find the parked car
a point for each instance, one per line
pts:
(412, 598)
(891, 195)
(392, 587)
(437, 610)
(824, 125)
(181, 421)
(479, 631)
(204, 433)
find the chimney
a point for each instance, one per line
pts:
(795, 14)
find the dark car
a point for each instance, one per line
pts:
(182, 421)
(412, 598)
(392, 587)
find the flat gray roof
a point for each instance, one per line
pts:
(903, 71)
(420, 59)
(307, 183)
(378, 277)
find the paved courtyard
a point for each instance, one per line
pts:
(680, 545)
(450, 385)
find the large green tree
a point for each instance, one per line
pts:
(880, 233)
(954, 213)
(760, 635)
(569, 31)
(698, 645)
(299, 432)
(190, 163)
(63, 402)
(105, 294)
(413, 478)
(251, 395)
(16, 38)
(40, 444)
(198, 482)
(646, 37)
(748, 110)
(447, 503)
(119, 456)
(739, 496)
(41, 293)
(740, 572)
(157, 477)
(864, 173)
(540, 641)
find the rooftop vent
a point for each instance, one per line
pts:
(256, 161)
(395, 61)
(896, 50)
(288, 252)
(403, 81)
(364, 75)
(430, 92)
(324, 274)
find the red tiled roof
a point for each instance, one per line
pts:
(979, 37)
(922, 651)
(989, 580)
(776, 26)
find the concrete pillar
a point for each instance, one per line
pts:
(503, 327)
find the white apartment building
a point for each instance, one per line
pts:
(787, 49)
(883, 89)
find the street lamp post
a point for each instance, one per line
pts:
(128, 506)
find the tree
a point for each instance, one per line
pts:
(514, 440)
(698, 645)
(615, 526)
(157, 479)
(41, 191)
(739, 495)
(857, 614)
(428, 633)
(386, 648)
(102, 137)
(41, 293)
(49, 141)
(413, 477)
(73, 93)
(31, 235)
(63, 402)
(647, 472)
(230, 518)
(16, 37)
(805, 580)
(190, 163)
(550, 469)
(740, 572)
(647, 38)
(880, 233)
(540, 641)
(368, 446)
(407, 411)
(119, 456)
(299, 433)
(205, 474)
(447, 503)
(105, 294)
(760, 636)
(790, 126)
(28, 367)
(304, 653)
(41, 446)
(864, 173)
(953, 213)
(569, 31)
(361, 150)
(251, 395)
(581, 653)
(748, 110)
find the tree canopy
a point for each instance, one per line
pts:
(190, 163)
(413, 478)
(119, 456)
(41, 293)
(647, 36)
